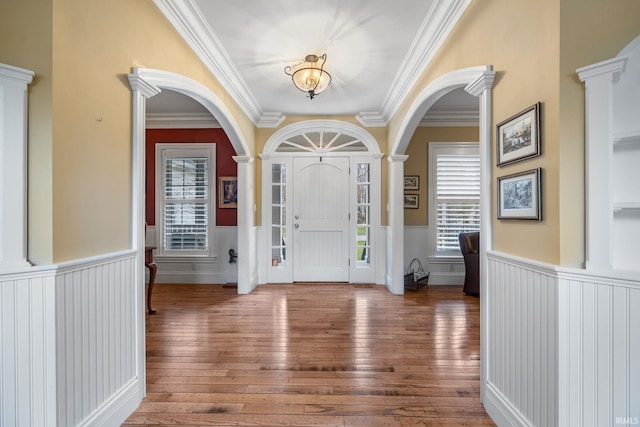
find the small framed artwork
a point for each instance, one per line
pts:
(411, 182)
(228, 192)
(411, 201)
(520, 195)
(518, 137)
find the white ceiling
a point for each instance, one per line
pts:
(375, 50)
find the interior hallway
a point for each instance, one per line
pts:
(312, 354)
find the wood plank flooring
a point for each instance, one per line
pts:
(312, 355)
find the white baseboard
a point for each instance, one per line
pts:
(196, 277)
(501, 411)
(118, 408)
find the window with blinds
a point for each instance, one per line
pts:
(186, 196)
(457, 194)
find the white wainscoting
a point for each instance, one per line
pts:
(97, 352)
(255, 239)
(28, 351)
(563, 345)
(193, 270)
(522, 332)
(599, 348)
(70, 343)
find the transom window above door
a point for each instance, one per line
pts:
(321, 142)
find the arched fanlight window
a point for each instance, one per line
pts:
(321, 142)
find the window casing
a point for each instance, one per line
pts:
(454, 194)
(185, 200)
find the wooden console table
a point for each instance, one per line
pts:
(151, 265)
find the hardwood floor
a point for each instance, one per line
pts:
(312, 355)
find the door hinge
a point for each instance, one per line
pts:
(349, 216)
(349, 262)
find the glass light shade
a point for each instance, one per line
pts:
(309, 76)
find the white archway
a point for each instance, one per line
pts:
(324, 138)
(147, 83)
(477, 81)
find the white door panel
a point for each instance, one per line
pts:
(321, 219)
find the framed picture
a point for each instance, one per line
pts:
(411, 201)
(520, 195)
(228, 192)
(518, 137)
(411, 182)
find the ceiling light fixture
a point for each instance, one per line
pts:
(309, 75)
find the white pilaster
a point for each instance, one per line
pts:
(481, 88)
(598, 79)
(246, 245)
(395, 244)
(13, 167)
(141, 91)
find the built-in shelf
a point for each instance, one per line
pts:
(626, 138)
(619, 206)
(613, 198)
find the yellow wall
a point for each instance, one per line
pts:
(25, 41)
(524, 43)
(80, 171)
(418, 163)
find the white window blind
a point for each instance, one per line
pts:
(185, 209)
(186, 195)
(457, 195)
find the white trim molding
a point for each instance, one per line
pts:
(450, 118)
(188, 21)
(435, 28)
(13, 166)
(181, 121)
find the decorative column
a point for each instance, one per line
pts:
(142, 90)
(13, 167)
(481, 88)
(246, 244)
(395, 242)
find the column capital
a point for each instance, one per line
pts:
(482, 83)
(243, 159)
(397, 158)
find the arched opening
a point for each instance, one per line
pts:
(477, 81)
(321, 204)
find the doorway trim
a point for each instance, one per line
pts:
(477, 81)
(368, 151)
(146, 83)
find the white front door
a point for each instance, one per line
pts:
(321, 219)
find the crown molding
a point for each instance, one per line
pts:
(181, 121)
(271, 120)
(450, 118)
(186, 18)
(371, 119)
(435, 28)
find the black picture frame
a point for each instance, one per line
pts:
(411, 182)
(411, 201)
(518, 137)
(520, 195)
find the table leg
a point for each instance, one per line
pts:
(152, 277)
